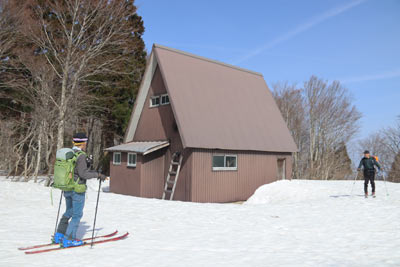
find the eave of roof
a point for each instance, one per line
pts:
(139, 147)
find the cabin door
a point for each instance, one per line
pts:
(281, 169)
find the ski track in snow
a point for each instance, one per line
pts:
(286, 223)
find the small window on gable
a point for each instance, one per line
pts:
(164, 99)
(154, 101)
(224, 162)
(117, 158)
(132, 159)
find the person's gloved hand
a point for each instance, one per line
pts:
(102, 177)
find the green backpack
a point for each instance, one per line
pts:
(64, 171)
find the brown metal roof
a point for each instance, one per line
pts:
(220, 106)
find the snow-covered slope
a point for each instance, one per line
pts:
(287, 223)
(295, 191)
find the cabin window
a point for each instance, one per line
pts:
(224, 163)
(132, 159)
(154, 101)
(164, 99)
(117, 158)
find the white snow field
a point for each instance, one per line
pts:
(286, 223)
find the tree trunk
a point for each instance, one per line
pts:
(39, 152)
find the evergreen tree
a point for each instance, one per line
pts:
(79, 61)
(394, 173)
(117, 92)
(342, 163)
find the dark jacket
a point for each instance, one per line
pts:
(81, 170)
(369, 164)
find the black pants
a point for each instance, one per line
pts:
(369, 175)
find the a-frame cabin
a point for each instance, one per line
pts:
(214, 126)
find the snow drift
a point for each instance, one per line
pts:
(294, 191)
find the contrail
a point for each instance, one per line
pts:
(301, 28)
(373, 77)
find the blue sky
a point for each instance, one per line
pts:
(356, 42)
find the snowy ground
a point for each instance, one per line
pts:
(297, 223)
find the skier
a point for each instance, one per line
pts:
(66, 230)
(369, 163)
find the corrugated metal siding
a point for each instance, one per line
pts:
(125, 180)
(254, 170)
(188, 174)
(158, 123)
(182, 192)
(152, 183)
(289, 167)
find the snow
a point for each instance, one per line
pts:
(286, 223)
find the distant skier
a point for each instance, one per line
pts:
(369, 163)
(75, 201)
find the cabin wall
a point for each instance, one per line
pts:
(253, 170)
(125, 180)
(156, 124)
(289, 167)
(182, 190)
(152, 182)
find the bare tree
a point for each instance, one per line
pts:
(376, 144)
(384, 143)
(290, 101)
(7, 33)
(332, 121)
(8, 21)
(80, 40)
(52, 59)
(322, 121)
(392, 137)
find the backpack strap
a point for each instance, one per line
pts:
(77, 154)
(74, 159)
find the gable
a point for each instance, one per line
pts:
(156, 123)
(140, 99)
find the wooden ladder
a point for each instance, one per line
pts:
(172, 177)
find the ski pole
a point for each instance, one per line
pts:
(58, 213)
(95, 214)
(355, 179)
(384, 181)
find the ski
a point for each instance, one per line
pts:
(84, 244)
(53, 244)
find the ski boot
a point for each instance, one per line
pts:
(373, 195)
(366, 195)
(71, 243)
(57, 238)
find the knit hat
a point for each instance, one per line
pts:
(366, 152)
(79, 138)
